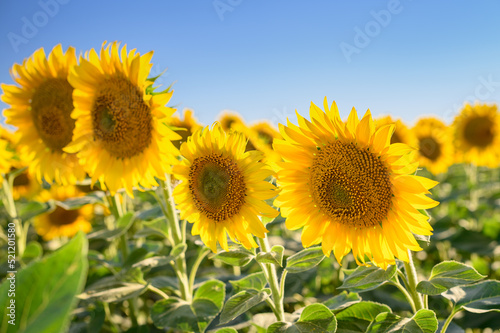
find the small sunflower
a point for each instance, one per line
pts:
(5, 157)
(477, 135)
(229, 119)
(184, 127)
(402, 134)
(349, 188)
(61, 222)
(435, 149)
(40, 108)
(120, 133)
(260, 137)
(222, 188)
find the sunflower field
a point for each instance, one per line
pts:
(119, 214)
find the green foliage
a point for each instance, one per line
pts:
(235, 257)
(242, 302)
(314, 318)
(358, 317)
(477, 298)
(46, 289)
(342, 301)
(275, 256)
(365, 278)
(424, 321)
(304, 260)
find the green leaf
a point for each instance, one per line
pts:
(33, 209)
(234, 257)
(32, 251)
(116, 293)
(242, 302)
(153, 262)
(255, 281)
(226, 330)
(342, 301)
(178, 250)
(194, 317)
(358, 317)
(478, 298)
(304, 260)
(273, 257)
(367, 278)
(314, 318)
(45, 290)
(122, 225)
(75, 203)
(424, 321)
(446, 275)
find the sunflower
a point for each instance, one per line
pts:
(402, 134)
(40, 108)
(435, 149)
(120, 133)
(5, 157)
(477, 135)
(222, 188)
(61, 222)
(349, 188)
(184, 127)
(260, 137)
(229, 119)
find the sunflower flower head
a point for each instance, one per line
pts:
(185, 127)
(61, 222)
(435, 149)
(121, 137)
(223, 188)
(260, 137)
(350, 189)
(229, 120)
(477, 135)
(402, 134)
(40, 107)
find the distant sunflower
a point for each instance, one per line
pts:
(120, 133)
(5, 157)
(260, 137)
(229, 119)
(187, 126)
(477, 135)
(402, 134)
(61, 222)
(40, 108)
(223, 188)
(435, 148)
(349, 188)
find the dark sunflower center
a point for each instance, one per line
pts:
(350, 185)
(479, 131)
(61, 216)
(51, 107)
(217, 187)
(121, 118)
(22, 180)
(429, 148)
(396, 138)
(265, 137)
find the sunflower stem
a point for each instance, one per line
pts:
(405, 293)
(272, 279)
(178, 236)
(448, 321)
(194, 269)
(411, 274)
(10, 205)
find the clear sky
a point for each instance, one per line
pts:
(264, 59)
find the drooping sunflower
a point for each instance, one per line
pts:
(349, 188)
(477, 135)
(121, 135)
(60, 221)
(187, 126)
(222, 188)
(260, 137)
(229, 119)
(402, 134)
(435, 149)
(40, 108)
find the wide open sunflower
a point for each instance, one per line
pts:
(435, 149)
(41, 109)
(477, 135)
(349, 188)
(223, 188)
(60, 221)
(120, 133)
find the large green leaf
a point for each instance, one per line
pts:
(367, 278)
(446, 275)
(304, 260)
(342, 301)
(242, 302)
(256, 281)
(235, 257)
(478, 298)
(45, 290)
(358, 317)
(424, 321)
(195, 316)
(314, 318)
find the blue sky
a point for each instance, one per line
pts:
(264, 59)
